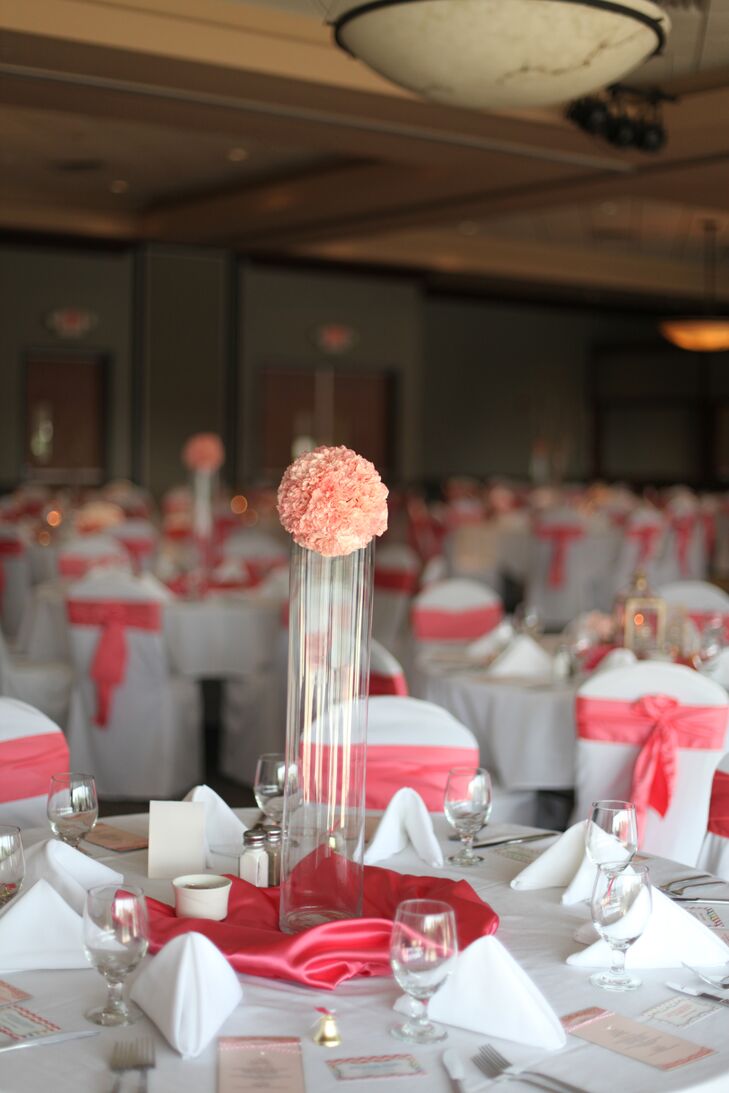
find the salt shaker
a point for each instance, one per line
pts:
(273, 849)
(253, 865)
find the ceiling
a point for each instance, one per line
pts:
(241, 125)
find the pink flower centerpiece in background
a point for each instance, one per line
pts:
(332, 501)
(204, 452)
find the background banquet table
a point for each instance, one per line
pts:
(535, 927)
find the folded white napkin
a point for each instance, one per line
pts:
(492, 643)
(222, 826)
(522, 657)
(514, 1010)
(38, 930)
(673, 936)
(566, 865)
(69, 871)
(406, 821)
(617, 658)
(188, 989)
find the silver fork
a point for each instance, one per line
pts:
(132, 1055)
(493, 1064)
(697, 880)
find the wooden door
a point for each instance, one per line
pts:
(65, 418)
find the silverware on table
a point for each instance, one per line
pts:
(494, 1065)
(132, 1055)
(454, 1068)
(670, 889)
(721, 983)
(716, 998)
(515, 839)
(696, 899)
(41, 1041)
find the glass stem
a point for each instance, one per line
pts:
(418, 1014)
(467, 841)
(617, 967)
(115, 1000)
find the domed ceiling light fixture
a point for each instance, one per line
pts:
(708, 333)
(500, 54)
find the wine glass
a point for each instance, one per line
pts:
(115, 939)
(423, 949)
(73, 807)
(268, 787)
(620, 906)
(611, 834)
(467, 806)
(12, 863)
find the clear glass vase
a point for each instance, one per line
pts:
(330, 623)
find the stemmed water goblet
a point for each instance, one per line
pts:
(73, 807)
(611, 833)
(423, 949)
(115, 939)
(12, 863)
(467, 805)
(620, 907)
(268, 787)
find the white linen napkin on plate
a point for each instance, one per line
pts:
(515, 1009)
(69, 871)
(565, 865)
(492, 643)
(188, 989)
(406, 821)
(38, 930)
(522, 657)
(617, 658)
(673, 936)
(222, 826)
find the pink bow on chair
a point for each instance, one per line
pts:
(647, 537)
(560, 536)
(683, 528)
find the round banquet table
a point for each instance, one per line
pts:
(535, 928)
(525, 728)
(224, 635)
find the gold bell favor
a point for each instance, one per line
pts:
(326, 1033)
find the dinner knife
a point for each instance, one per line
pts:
(454, 1066)
(699, 994)
(695, 899)
(515, 839)
(57, 1038)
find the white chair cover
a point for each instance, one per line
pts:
(455, 610)
(562, 574)
(605, 768)
(714, 856)
(261, 551)
(46, 686)
(150, 745)
(386, 672)
(435, 569)
(685, 555)
(395, 582)
(80, 554)
(641, 547)
(140, 540)
(32, 748)
(15, 578)
(703, 602)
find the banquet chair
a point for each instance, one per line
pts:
(652, 733)
(140, 539)
(685, 556)
(473, 552)
(386, 673)
(714, 856)
(640, 548)
(395, 582)
(702, 601)
(32, 748)
(15, 578)
(46, 686)
(261, 552)
(435, 569)
(80, 554)
(455, 610)
(561, 581)
(132, 724)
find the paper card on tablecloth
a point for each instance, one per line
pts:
(176, 838)
(10, 995)
(114, 838)
(680, 1012)
(374, 1066)
(661, 1050)
(248, 1064)
(18, 1024)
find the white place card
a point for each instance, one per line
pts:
(176, 838)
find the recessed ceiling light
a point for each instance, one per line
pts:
(237, 154)
(119, 186)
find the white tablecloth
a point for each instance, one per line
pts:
(535, 927)
(222, 636)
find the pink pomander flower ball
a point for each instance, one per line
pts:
(203, 452)
(332, 501)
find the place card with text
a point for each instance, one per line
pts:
(253, 1064)
(637, 1041)
(9, 994)
(176, 838)
(114, 838)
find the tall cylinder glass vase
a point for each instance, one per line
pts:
(202, 527)
(330, 622)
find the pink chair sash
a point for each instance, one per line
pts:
(389, 768)
(27, 763)
(561, 536)
(647, 536)
(708, 521)
(659, 725)
(719, 807)
(78, 565)
(109, 663)
(138, 548)
(396, 580)
(683, 529)
(700, 619)
(436, 624)
(9, 548)
(381, 684)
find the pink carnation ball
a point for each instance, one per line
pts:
(203, 452)
(332, 501)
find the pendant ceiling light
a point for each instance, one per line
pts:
(500, 54)
(708, 333)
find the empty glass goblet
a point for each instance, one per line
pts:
(268, 787)
(467, 806)
(611, 834)
(73, 807)
(621, 907)
(12, 863)
(423, 950)
(115, 939)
